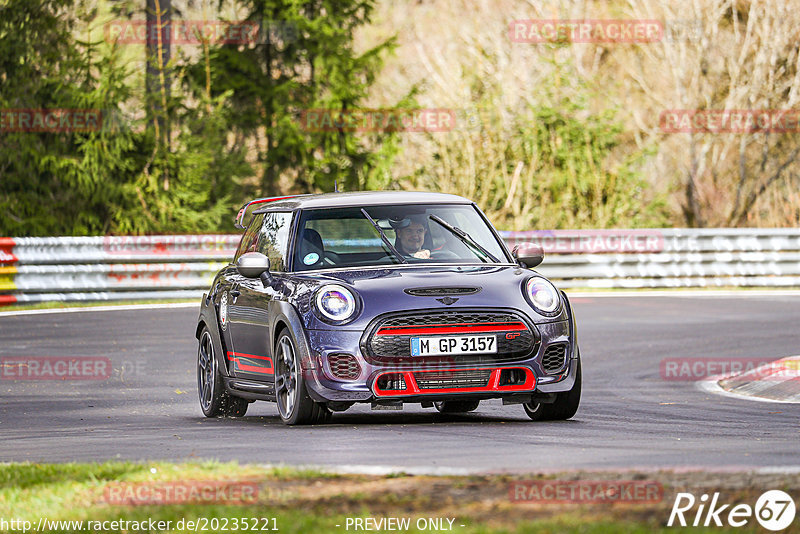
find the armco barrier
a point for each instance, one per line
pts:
(668, 258)
(34, 269)
(156, 267)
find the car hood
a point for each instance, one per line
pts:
(392, 289)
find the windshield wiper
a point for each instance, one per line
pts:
(463, 236)
(383, 237)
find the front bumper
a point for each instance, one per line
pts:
(449, 381)
(531, 376)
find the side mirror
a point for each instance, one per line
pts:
(252, 265)
(528, 254)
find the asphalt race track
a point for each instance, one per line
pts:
(629, 415)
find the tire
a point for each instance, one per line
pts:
(457, 406)
(565, 406)
(295, 407)
(214, 400)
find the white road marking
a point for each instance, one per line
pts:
(685, 293)
(710, 293)
(381, 470)
(123, 307)
(384, 470)
(785, 470)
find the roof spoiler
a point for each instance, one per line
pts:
(247, 210)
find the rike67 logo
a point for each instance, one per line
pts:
(774, 510)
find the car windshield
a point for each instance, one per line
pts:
(389, 235)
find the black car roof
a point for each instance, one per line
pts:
(361, 198)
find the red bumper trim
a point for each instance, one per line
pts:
(492, 386)
(465, 328)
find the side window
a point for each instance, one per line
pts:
(248, 242)
(273, 239)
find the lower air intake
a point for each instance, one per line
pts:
(344, 366)
(453, 379)
(554, 358)
(391, 382)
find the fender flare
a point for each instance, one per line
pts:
(572, 327)
(208, 317)
(284, 313)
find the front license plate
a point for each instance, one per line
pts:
(436, 346)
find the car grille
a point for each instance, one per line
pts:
(441, 291)
(344, 366)
(476, 378)
(554, 357)
(385, 342)
(448, 317)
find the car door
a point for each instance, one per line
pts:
(227, 292)
(249, 311)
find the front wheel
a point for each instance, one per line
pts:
(214, 400)
(563, 408)
(294, 405)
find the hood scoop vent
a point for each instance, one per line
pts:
(442, 291)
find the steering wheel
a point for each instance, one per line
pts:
(444, 255)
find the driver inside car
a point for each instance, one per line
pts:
(411, 232)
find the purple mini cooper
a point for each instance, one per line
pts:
(384, 298)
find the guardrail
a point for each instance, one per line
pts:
(669, 258)
(169, 267)
(34, 269)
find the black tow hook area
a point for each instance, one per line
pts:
(512, 377)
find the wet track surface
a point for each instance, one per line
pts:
(629, 417)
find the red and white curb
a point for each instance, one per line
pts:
(777, 381)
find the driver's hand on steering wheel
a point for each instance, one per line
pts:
(422, 254)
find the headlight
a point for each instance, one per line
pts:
(336, 303)
(543, 295)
